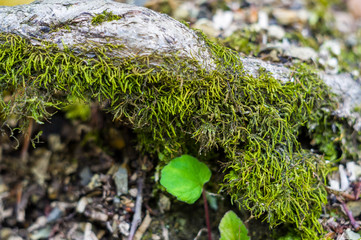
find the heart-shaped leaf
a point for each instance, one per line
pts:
(184, 178)
(232, 227)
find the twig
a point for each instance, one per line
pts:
(143, 227)
(207, 215)
(354, 224)
(357, 190)
(165, 232)
(137, 218)
(200, 233)
(27, 136)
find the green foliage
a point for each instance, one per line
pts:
(231, 227)
(244, 41)
(290, 236)
(104, 17)
(326, 134)
(177, 106)
(77, 109)
(322, 18)
(184, 178)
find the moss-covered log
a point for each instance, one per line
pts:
(174, 86)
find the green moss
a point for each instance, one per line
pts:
(77, 109)
(105, 16)
(177, 104)
(244, 41)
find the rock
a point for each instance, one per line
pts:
(352, 235)
(85, 175)
(146, 33)
(206, 26)
(164, 203)
(344, 22)
(276, 32)
(54, 215)
(354, 170)
(136, 27)
(96, 215)
(263, 19)
(3, 186)
(288, 17)
(354, 7)
(124, 228)
(133, 192)
(43, 233)
(186, 10)
(303, 53)
(331, 46)
(121, 181)
(354, 207)
(40, 169)
(55, 144)
(82, 203)
(137, 2)
(222, 19)
(344, 182)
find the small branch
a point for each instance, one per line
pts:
(143, 227)
(357, 190)
(207, 215)
(200, 233)
(27, 136)
(353, 222)
(137, 218)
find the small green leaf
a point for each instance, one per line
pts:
(232, 227)
(184, 178)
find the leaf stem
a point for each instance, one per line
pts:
(207, 215)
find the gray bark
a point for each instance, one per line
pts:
(143, 32)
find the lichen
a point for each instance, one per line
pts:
(105, 16)
(177, 106)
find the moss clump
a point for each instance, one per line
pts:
(105, 16)
(244, 41)
(255, 120)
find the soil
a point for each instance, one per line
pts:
(40, 193)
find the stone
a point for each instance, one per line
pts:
(121, 181)
(276, 32)
(303, 53)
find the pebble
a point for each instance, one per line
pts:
(54, 215)
(222, 19)
(354, 207)
(40, 168)
(164, 203)
(133, 192)
(85, 176)
(354, 7)
(352, 235)
(331, 46)
(82, 203)
(43, 233)
(263, 19)
(344, 22)
(206, 26)
(289, 16)
(121, 181)
(276, 32)
(124, 228)
(97, 215)
(303, 53)
(344, 183)
(187, 10)
(354, 170)
(3, 186)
